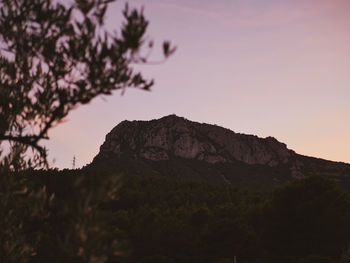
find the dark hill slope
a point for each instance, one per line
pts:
(175, 146)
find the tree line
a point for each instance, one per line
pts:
(80, 216)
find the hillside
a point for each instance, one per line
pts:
(175, 146)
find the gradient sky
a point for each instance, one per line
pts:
(266, 67)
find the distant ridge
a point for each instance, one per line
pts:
(175, 141)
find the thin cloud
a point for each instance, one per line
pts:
(190, 10)
(248, 15)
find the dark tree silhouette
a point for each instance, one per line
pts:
(307, 219)
(55, 56)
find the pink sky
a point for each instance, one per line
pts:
(271, 68)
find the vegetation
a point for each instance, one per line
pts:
(80, 216)
(55, 55)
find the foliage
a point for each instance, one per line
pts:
(56, 55)
(184, 221)
(345, 256)
(91, 216)
(53, 217)
(20, 204)
(306, 217)
(315, 258)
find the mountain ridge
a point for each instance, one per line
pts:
(173, 137)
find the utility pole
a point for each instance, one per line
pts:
(73, 163)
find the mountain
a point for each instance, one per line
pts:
(175, 146)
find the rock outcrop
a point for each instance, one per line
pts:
(176, 137)
(173, 136)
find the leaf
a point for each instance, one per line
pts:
(167, 50)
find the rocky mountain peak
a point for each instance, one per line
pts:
(173, 144)
(176, 137)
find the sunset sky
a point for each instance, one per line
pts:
(266, 67)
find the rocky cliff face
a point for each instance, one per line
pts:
(176, 137)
